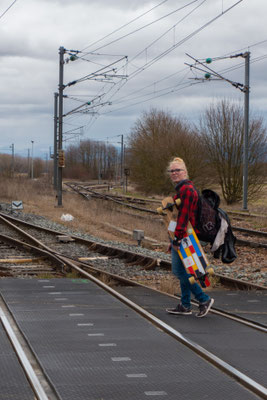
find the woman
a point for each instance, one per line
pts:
(187, 213)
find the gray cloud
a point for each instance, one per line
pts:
(31, 33)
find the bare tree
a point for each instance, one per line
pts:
(91, 160)
(155, 138)
(222, 133)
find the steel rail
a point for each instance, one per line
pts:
(235, 228)
(238, 213)
(56, 256)
(231, 371)
(250, 231)
(137, 258)
(241, 320)
(243, 379)
(32, 377)
(111, 198)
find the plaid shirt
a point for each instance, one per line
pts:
(188, 208)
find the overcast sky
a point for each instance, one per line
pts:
(132, 55)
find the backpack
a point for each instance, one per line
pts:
(209, 217)
(208, 222)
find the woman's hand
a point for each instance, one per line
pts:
(169, 248)
(176, 244)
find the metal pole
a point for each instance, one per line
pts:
(246, 132)
(13, 160)
(60, 122)
(122, 160)
(29, 174)
(99, 161)
(55, 139)
(32, 161)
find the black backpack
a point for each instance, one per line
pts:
(207, 219)
(209, 222)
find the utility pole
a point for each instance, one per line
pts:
(60, 122)
(32, 161)
(13, 160)
(46, 163)
(55, 140)
(122, 180)
(246, 131)
(99, 163)
(245, 89)
(29, 174)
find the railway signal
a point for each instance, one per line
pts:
(61, 158)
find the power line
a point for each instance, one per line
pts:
(166, 32)
(154, 91)
(167, 51)
(128, 23)
(149, 24)
(158, 93)
(247, 47)
(154, 43)
(100, 72)
(153, 97)
(151, 84)
(158, 57)
(163, 54)
(173, 89)
(7, 9)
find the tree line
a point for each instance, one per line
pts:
(212, 151)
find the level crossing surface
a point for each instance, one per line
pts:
(13, 382)
(92, 346)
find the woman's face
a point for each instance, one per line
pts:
(177, 172)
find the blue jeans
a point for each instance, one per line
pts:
(179, 271)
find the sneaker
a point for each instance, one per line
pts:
(180, 309)
(204, 308)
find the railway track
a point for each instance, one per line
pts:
(123, 294)
(245, 237)
(65, 254)
(136, 265)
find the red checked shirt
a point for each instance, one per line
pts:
(188, 208)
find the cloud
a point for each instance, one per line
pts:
(31, 33)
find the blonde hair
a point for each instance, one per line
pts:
(178, 160)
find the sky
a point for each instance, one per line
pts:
(122, 58)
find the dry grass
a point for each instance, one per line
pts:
(39, 198)
(89, 216)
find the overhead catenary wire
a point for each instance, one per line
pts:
(173, 89)
(147, 25)
(154, 41)
(157, 93)
(91, 75)
(212, 72)
(161, 55)
(7, 9)
(168, 30)
(204, 80)
(171, 48)
(128, 23)
(148, 64)
(153, 97)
